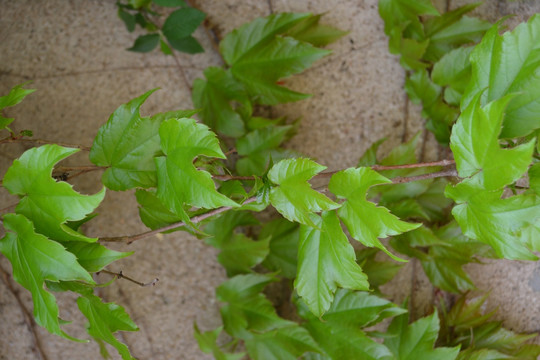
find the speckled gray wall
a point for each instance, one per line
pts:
(74, 53)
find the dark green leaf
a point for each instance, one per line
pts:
(188, 45)
(170, 3)
(182, 23)
(369, 158)
(208, 344)
(145, 43)
(152, 212)
(93, 256)
(309, 30)
(127, 18)
(284, 236)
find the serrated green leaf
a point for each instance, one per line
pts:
(453, 69)
(221, 229)
(47, 203)
(128, 143)
(509, 64)
(178, 29)
(534, 178)
(287, 343)
(215, 95)
(416, 341)
(378, 272)
(179, 182)
(309, 30)
(152, 212)
(208, 344)
(326, 261)
(104, 320)
(256, 34)
(366, 221)
(34, 259)
(240, 253)
(260, 70)
(369, 157)
(294, 198)
(284, 236)
(93, 256)
(484, 216)
(15, 96)
(145, 43)
(247, 309)
(476, 149)
(188, 45)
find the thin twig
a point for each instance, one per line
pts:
(182, 71)
(232, 177)
(80, 168)
(197, 219)
(42, 141)
(121, 275)
(28, 319)
(407, 179)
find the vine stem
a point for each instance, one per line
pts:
(42, 141)
(196, 219)
(120, 275)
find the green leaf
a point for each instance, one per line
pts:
(509, 64)
(484, 216)
(215, 95)
(34, 259)
(164, 47)
(127, 18)
(476, 149)
(170, 3)
(534, 178)
(47, 203)
(309, 30)
(256, 34)
(369, 158)
(178, 29)
(179, 182)
(398, 14)
(326, 261)
(152, 212)
(416, 341)
(208, 344)
(366, 221)
(93, 256)
(15, 96)
(284, 236)
(453, 69)
(378, 272)
(145, 43)
(128, 143)
(260, 70)
(104, 320)
(240, 253)
(247, 309)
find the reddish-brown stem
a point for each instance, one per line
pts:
(196, 219)
(42, 141)
(28, 319)
(232, 177)
(120, 275)
(407, 179)
(396, 167)
(80, 168)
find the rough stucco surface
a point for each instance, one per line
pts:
(73, 51)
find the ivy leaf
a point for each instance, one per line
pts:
(369, 157)
(326, 260)
(378, 272)
(247, 309)
(240, 253)
(284, 236)
(179, 26)
(476, 149)
(416, 341)
(294, 198)
(47, 203)
(309, 30)
(454, 69)
(509, 64)
(214, 96)
(534, 178)
(261, 70)
(366, 221)
(104, 320)
(208, 344)
(15, 96)
(179, 182)
(484, 216)
(128, 143)
(34, 259)
(256, 34)
(93, 256)
(152, 212)
(145, 43)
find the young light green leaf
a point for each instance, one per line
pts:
(484, 216)
(398, 14)
(284, 236)
(256, 34)
(127, 145)
(178, 29)
(208, 344)
(453, 69)
(260, 70)
(104, 320)
(294, 198)
(34, 259)
(93, 256)
(15, 96)
(47, 203)
(366, 221)
(326, 261)
(145, 43)
(215, 95)
(179, 182)
(475, 144)
(416, 341)
(508, 64)
(309, 30)
(286, 343)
